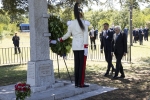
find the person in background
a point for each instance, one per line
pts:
(16, 40)
(134, 36)
(112, 28)
(92, 35)
(106, 39)
(96, 33)
(78, 28)
(141, 34)
(126, 32)
(119, 48)
(146, 33)
(137, 34)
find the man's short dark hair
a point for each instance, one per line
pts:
(106, 24)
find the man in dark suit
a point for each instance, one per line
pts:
(15, 40)
(112, 28)
(92, 35)
(126, 32)
(146, 33)
(119, 48)
(106, 39)
(136, 34)
(134, 37)
(141, 33)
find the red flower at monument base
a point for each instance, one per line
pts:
(22, 90)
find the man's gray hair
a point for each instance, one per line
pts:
(118, 27)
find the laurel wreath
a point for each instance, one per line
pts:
(58, 28)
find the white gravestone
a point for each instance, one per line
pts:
(40, 72)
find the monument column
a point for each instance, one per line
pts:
(40, 68)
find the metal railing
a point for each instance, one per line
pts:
(8, 57)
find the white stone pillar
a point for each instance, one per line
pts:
(40, 69)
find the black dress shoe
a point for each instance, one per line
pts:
(84, 86)
(106, 74)
(76, 86)
(115, 77)
(122, 76)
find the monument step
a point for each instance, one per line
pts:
(62, 92)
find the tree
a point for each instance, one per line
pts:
(14, 8)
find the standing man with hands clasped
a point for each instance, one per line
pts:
(119, 48)
(16, 40)
(106, 39)
(78, 28)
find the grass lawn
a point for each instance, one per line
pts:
(136, 85)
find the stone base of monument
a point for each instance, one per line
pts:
(61, 90)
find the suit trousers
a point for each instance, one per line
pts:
(17, 46)
(146, 37)
(108, 58)
(93, 43)
(119, 67)
(78, 66)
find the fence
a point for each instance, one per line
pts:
(7, 56)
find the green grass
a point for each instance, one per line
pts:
(12, 74)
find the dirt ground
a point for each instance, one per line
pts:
(135, 86)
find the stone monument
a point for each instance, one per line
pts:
(40, 74)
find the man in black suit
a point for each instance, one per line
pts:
(113, 28)
(92, 35)
(141, 34)
(146, 33)
(106, 39)
(119, 48)
(126, 31)
(134, 37)
(15, 40)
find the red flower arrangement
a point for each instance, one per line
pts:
(22, 90)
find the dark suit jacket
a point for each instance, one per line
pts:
(126, 31)
(120, 47)
(141, 31)
(134, 32)
(106, 42)
(112, 29)
(15, 40)
(146, 31)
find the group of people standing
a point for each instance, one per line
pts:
(139, 34)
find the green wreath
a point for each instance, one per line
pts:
(58, 28)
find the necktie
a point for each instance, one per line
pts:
(116, 37)
(106, 31)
